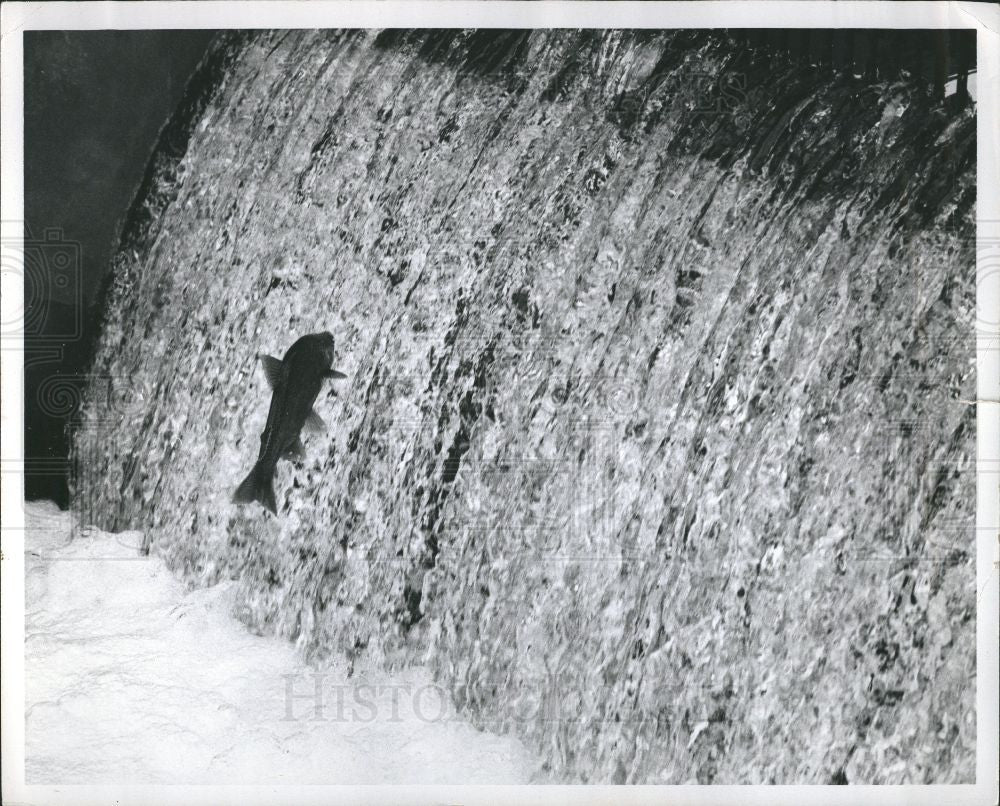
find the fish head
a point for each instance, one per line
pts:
(324, 341)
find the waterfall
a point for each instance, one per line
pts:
(653, 444)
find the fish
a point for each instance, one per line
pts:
(295, 380)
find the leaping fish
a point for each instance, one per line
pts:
(295, 381)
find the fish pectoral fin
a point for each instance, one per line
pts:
(315, 423)
(296, 450)
(334, 375)
(274, 369)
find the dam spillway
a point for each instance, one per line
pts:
(653, 443)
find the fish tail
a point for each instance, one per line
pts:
(257, 486)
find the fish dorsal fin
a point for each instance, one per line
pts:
(296, 450)
(274, 369)
(314, 422)
(334, 375)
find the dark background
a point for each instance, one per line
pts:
(94, 104)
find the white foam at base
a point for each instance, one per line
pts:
(131, 678)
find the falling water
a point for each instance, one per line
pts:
(653, 445)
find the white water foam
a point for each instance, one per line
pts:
(132, 678)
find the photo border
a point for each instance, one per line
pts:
(15, 18)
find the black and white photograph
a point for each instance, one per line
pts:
(541, 394)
